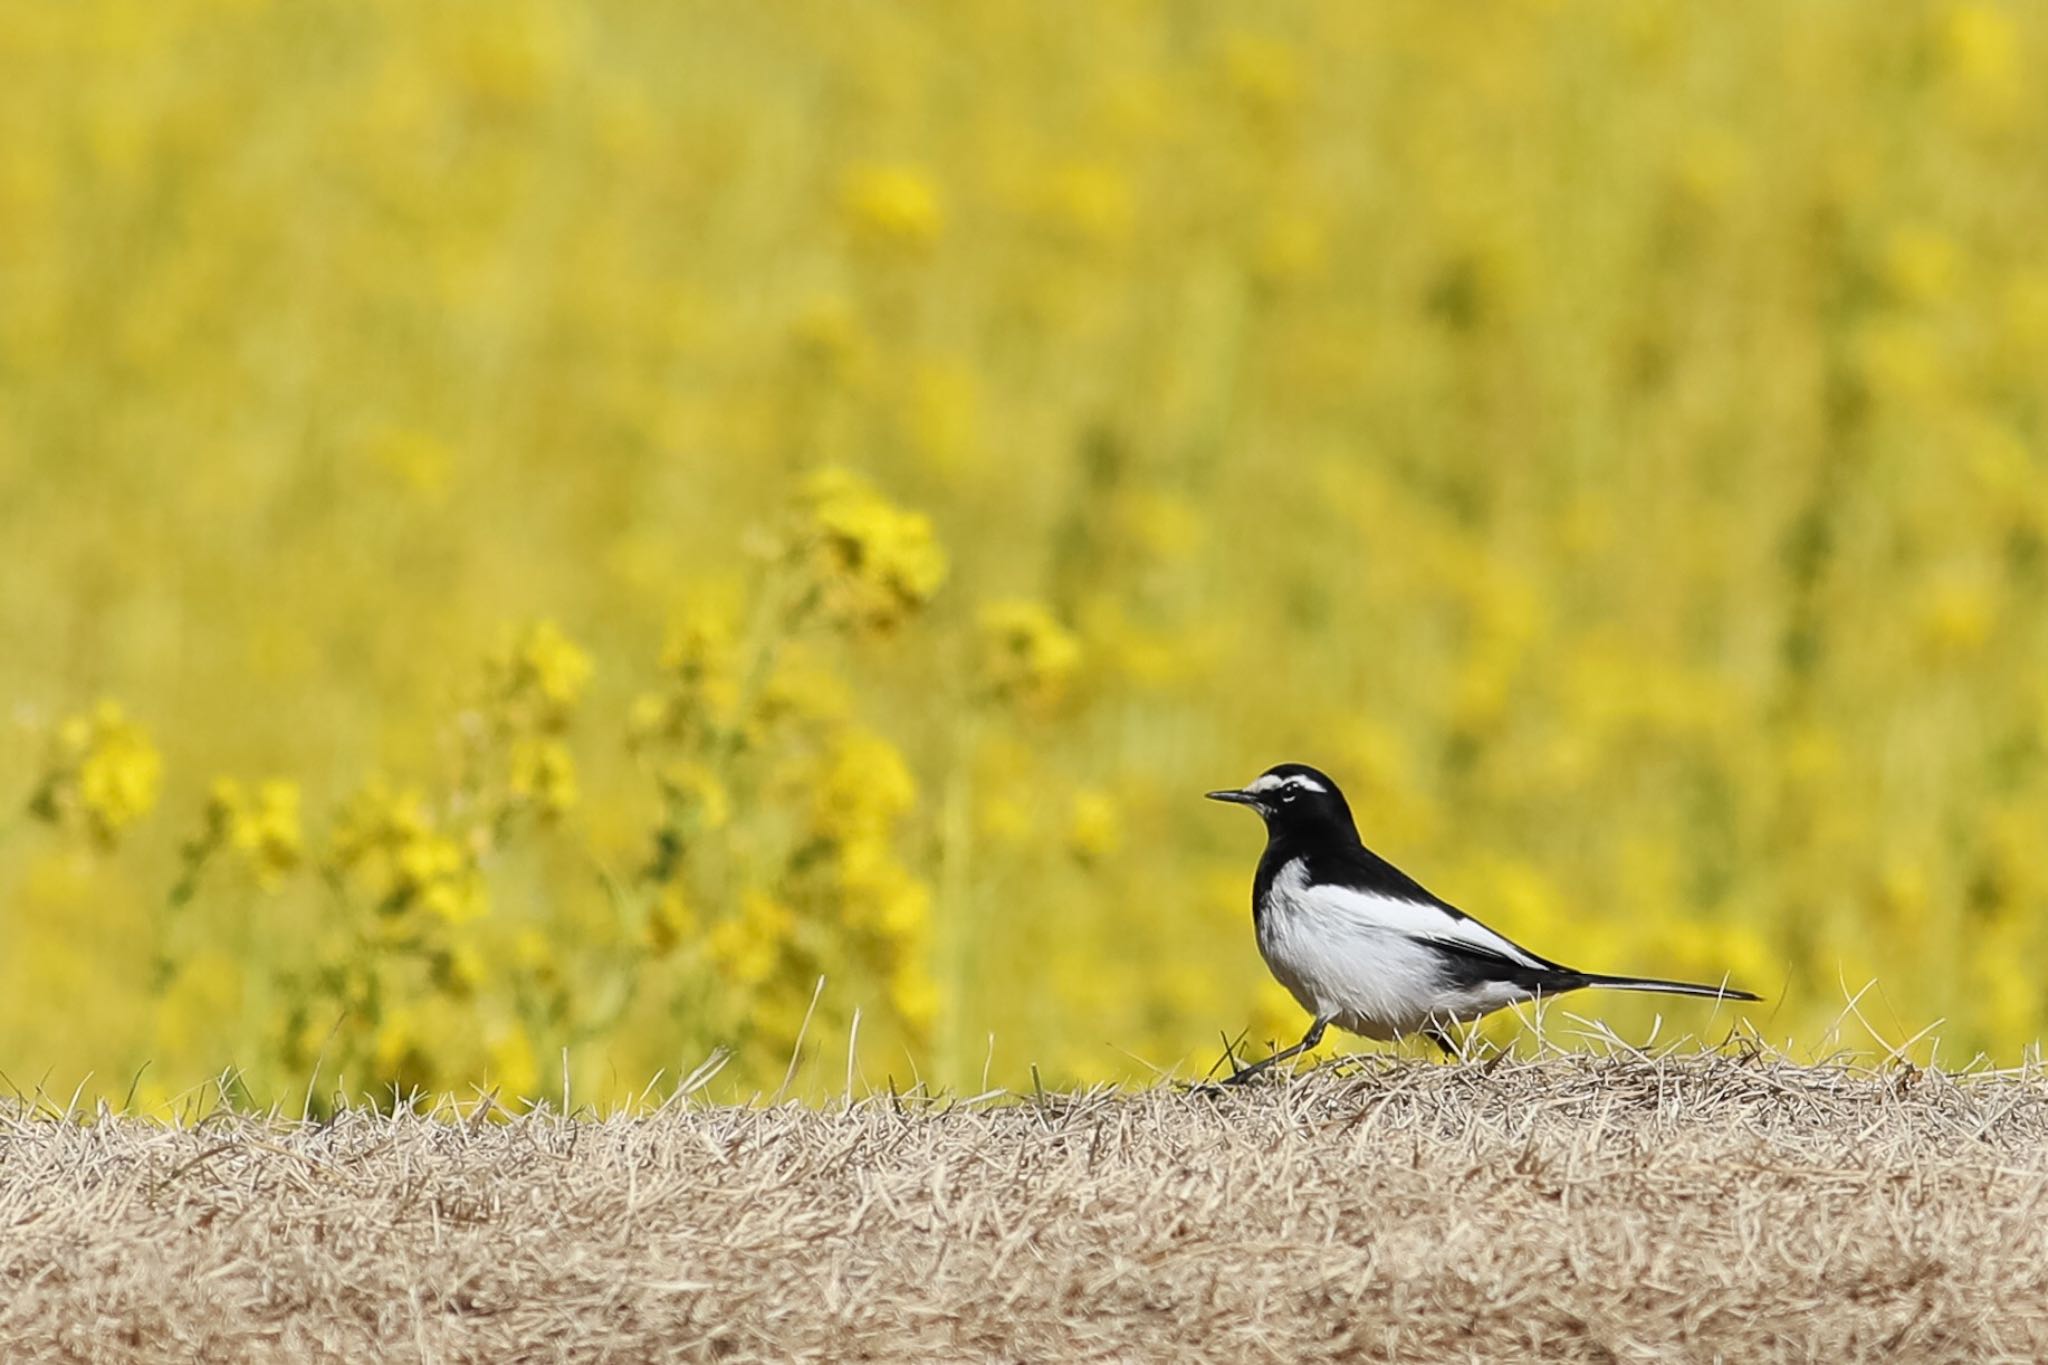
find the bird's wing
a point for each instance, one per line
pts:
(1425, 921)
(1470, 965)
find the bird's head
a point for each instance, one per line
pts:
(1294, 798)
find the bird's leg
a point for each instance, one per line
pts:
(1441, 1036)
(1230, 1047)
(1308, 1040)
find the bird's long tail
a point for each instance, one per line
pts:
(1651, 983)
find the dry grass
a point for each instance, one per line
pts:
(1576, 1207)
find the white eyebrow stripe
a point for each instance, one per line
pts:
(1273, 782)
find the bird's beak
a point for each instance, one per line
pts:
(1236, 798)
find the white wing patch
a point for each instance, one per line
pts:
(1365, 962)
(1367, 911)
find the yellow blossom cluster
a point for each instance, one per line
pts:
(261, 825)
(776, 859)
(852, 876)
(699, 697)
(894, 207)
(102, 774)
(388, 841)
(536, 679)
(875, 563)
(1026, 653)
(520, 760)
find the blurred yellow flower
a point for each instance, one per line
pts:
(803, 687)
(1920, 265)
(509, 64)
(1904, 887)
(1002, 820)
(1525, 903)
(1981, 51)
(747, 946)
(263, 825)
(875, 893)
(544, 775)
(1956, 616)
(1291, 248)
(1810, 755)
(1712, 163)
(697, 789)
(533, 953)
(2005, 988)
(539, 676)
(1026, 653)
(510, 1062)
(1261, 72)
(864, 789)
(1901, 360)
(208, 987)
(915, 997)
(1979, 38)
(420, 461)
(828, 333)
(1166, 525)
(1089, 204)
(1095, 827)
(388, 842)
(397, 1046)
(670, 921)
(875, 563)
(942, 414)
(894, 206)
(458, 970)
(700, 684)
(102, 772)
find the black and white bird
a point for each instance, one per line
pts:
(1363, 946)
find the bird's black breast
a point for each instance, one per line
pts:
(1262, 881)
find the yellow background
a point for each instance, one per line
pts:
(1606, 438)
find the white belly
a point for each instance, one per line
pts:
(1354, 959)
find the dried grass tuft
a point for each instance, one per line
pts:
(1570, 1207)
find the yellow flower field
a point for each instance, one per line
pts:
(535, 533)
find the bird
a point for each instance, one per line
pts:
(1362, 946)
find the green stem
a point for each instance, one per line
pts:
(629, 909)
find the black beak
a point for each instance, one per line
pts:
(1236, 798)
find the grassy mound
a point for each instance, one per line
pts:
(1571, 1207)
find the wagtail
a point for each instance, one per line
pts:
(1363, 946)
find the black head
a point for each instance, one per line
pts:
(1294, 798)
